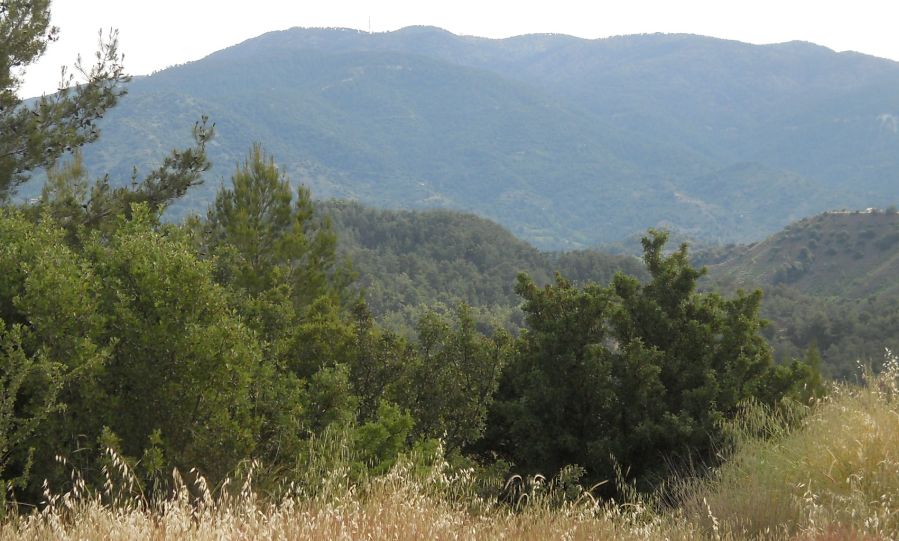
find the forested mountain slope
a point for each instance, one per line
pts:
(831, 281)
(717, 95)
(407, 261)
(567, 142)
(844, 254)
(397, 130)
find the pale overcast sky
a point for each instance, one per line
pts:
(155, 34)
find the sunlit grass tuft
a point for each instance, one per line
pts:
(835, 475)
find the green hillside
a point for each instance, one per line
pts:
(831, 281)
(850, 255)
(409, 260)
(397, 130)
(796, 106)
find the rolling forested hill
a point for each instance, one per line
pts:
(567, 142)
(844, 254)
(408, 261)
(831, 281)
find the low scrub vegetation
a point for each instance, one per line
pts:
(835, 473)
(825, 471)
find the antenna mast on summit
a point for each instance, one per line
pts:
(369, 24)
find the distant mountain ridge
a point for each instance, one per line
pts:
(745, 85)
(567, 142)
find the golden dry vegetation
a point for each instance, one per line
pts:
(831, 472)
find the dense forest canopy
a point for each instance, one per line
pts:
(828, 281)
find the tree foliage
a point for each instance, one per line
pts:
(635, 374)
(51, 332)
(265, 239)
(78, 204)
(452, 382)
(37, 135)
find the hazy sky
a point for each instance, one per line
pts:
(158, 33)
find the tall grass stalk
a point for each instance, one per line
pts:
(409, 502)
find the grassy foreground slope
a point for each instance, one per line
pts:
(827, 472)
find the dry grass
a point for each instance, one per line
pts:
(399, 505)
(832, 475)
(836, 476)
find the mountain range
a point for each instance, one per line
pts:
(568, 142)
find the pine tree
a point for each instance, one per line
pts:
(637, 374)
(37, 135)
(266, 238)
